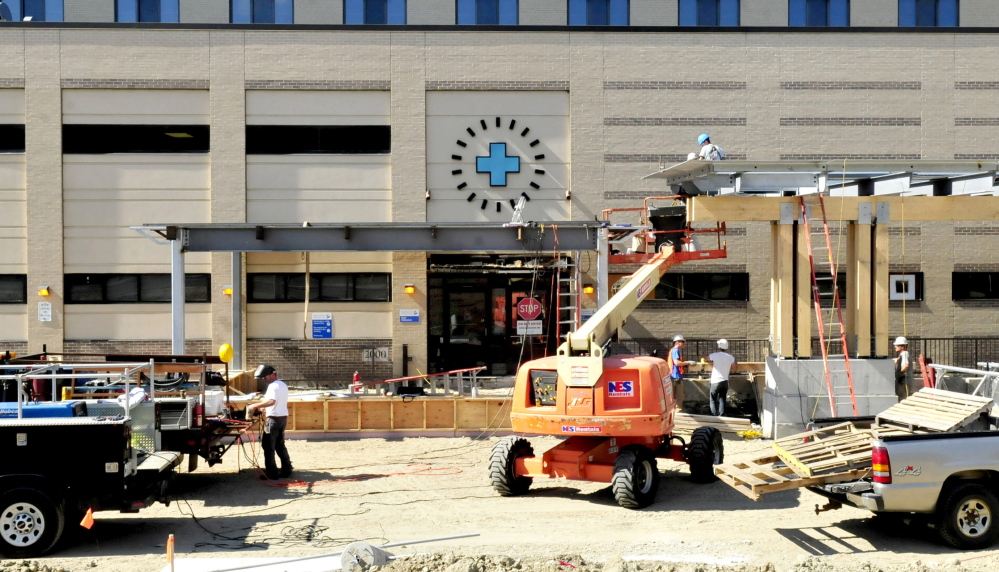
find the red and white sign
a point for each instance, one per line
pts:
(528, 309)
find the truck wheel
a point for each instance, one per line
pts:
(636, 477)
(965, 517)
(502, 465)
(30, 523)
(706, 450)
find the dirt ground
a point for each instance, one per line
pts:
(395, 490)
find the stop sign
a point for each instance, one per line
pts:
(528, 309)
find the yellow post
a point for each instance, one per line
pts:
(862, 301)
(881, 291)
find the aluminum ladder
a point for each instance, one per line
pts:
(839, 383)
(568, 295)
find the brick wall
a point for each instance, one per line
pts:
(150, 347)
(874, 13)
(430, 12)
(653, 12)
(332, 365)
(763, 13)
(20, 348)
(548, 12)
(204, 11)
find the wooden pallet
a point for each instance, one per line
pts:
(687, 422)
(936, 410)
(770, 474)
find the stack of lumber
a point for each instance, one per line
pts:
(687, 422)
(842, 452)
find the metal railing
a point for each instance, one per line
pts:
(743, 350)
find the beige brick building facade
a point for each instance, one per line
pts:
(635, 100)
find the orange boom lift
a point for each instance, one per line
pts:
(616, 412)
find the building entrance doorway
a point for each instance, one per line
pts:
(473, 318)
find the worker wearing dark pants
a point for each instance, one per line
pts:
(721, 366)
(275, 405)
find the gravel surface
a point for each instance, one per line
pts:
(382, 491)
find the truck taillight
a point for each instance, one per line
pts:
(881, 465)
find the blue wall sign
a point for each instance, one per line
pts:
(322, 325)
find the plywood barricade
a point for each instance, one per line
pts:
(380, 414)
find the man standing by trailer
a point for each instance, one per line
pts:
(721, 366)
(275, 405)
(677, 366)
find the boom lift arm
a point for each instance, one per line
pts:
(580, 357)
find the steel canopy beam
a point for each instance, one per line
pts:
(381, 237)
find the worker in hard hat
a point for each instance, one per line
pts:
(675, 362)
(709, 151)
(275, 405)
(904, 382)
(721, 366)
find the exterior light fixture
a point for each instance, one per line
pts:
(44, 291)
(409, 288)
(227, 290)
(588, 288)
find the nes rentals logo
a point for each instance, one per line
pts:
(620, 389)
(644, 288)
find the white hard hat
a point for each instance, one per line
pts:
(901, 341)
(723, 344)
(679, 338)
(691, 156)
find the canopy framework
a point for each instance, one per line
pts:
(374, 237)
(865, 194)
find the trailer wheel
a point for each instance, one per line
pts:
(636, 477)
(31, 523)
(502, 465)
(965, 518)
(706, 450)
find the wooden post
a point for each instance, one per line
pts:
(803, 294)
(881, 291)
(862, 301)
(782, 290)
(774, 288)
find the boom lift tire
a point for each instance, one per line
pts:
(502, 465)
(706, 450)
(636, 477)
(966, 516)
(31, 523)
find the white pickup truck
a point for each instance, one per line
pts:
(951, 478)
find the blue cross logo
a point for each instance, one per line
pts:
(497, 164)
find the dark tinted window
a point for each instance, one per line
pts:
(11, 138)
(101, 139)
(375, 11)
(13, 289)
(699, 287)
(149, 10)
(132, 288)
(324, 139)
(35, 9)
(323, 287)
(975, 285)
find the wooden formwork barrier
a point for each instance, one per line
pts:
(392, 413)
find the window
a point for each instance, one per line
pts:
(905, 286)
(488, 12)
(599, 13)
(13, 289)
(323, 139)
(262, 12)
(37, 10)
(818, 13)
(374, 12)
(86, 139)
(133, 288)
(11, 138)
(147, 11)
(975, 286)
(290, 287)
(941, 13)
(700, 287)
(709, 12)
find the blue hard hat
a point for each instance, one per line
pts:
(702, 138)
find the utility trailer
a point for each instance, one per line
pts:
(62, 463)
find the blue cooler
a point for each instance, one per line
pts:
(44, 409)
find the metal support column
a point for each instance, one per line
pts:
(603, 277)
(237, 310)
(177, 289)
